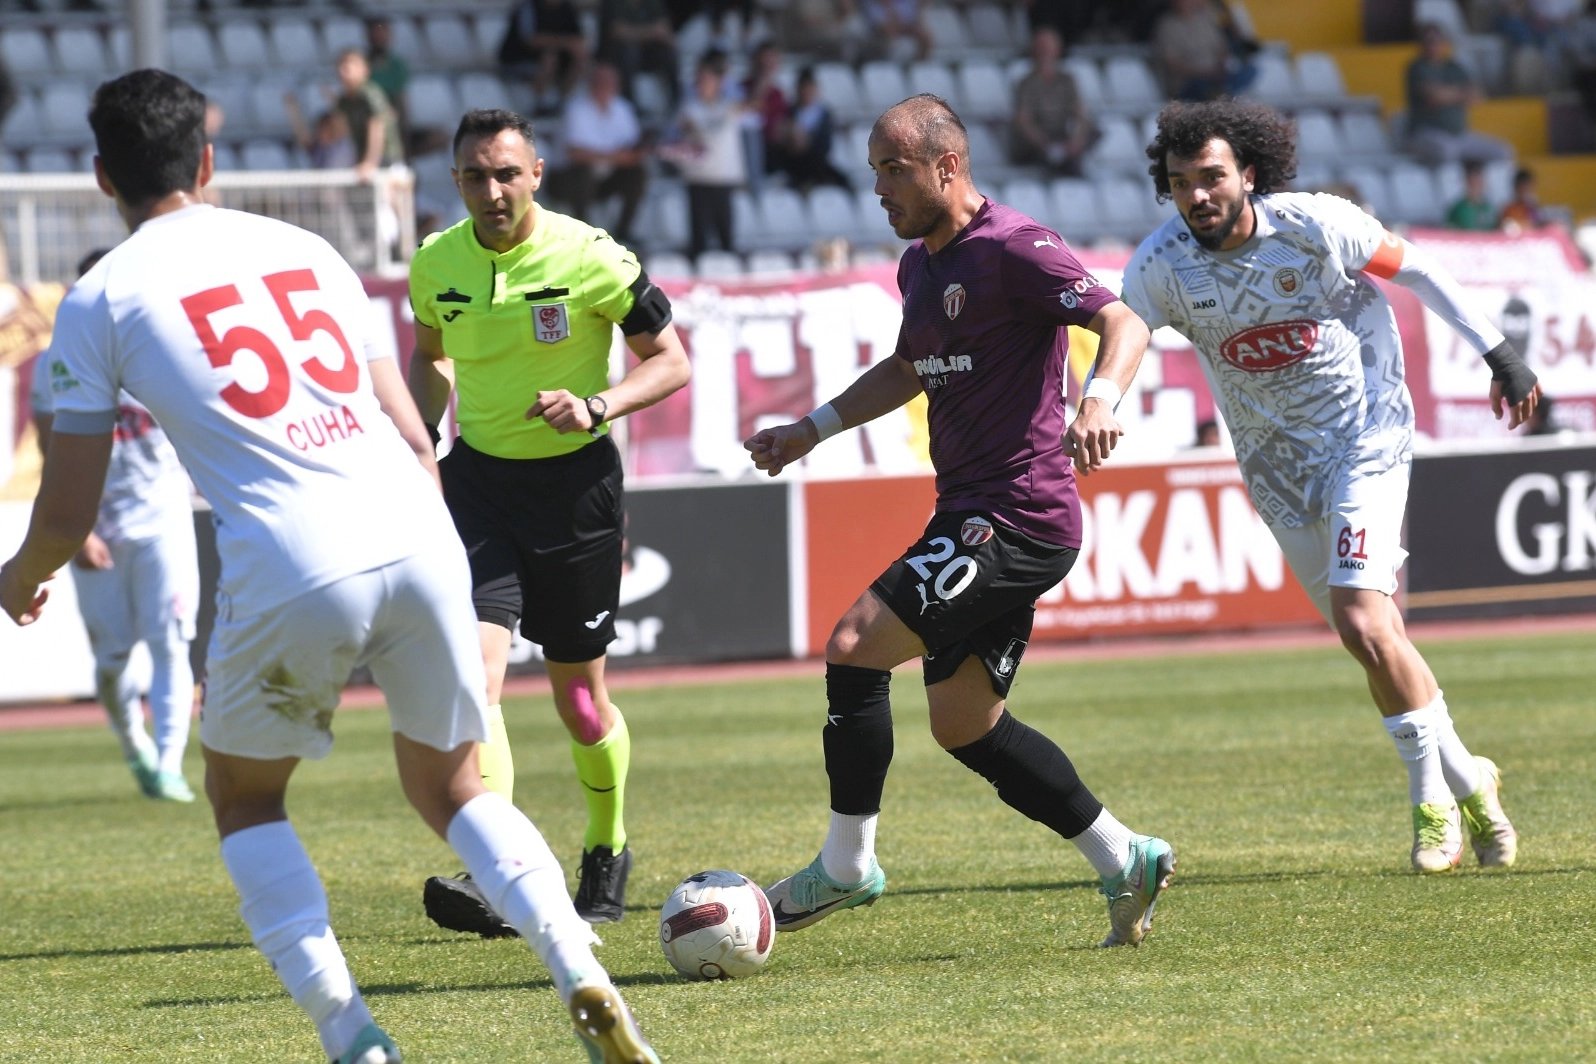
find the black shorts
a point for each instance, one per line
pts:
(544, 539)
(969, 586)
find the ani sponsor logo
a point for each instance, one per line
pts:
(1275, 345)
(953, 297)
(549, 323)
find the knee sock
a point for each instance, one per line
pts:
(1415, 733)
(120, 696)
(601, 768)
(171, 700)
(510, 861)
(857, 737)
(494, 757)
(285, 908)
(1034, 776)
(1462, 772)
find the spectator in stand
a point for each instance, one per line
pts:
(768, 103)
(1473, 210)
(373, 125)
(1579, 54)
(1208, 434)
(833, 28)
(710, 155)
(636, 35)
(1440, 90)
(8, 92)
(389, 72)
(1524, 210)
(890, 21)
(806, 149)
(604, 142)
(1050, 126)
(329, 145)
(1200, 52)
(544, 44)
(1540, 419)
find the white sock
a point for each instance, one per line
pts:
(171, 701)
(1106, 844)
(285, 908)
(123, 708)
(1415, 734)
(1457, 764)
(521, 879)
(850, 847)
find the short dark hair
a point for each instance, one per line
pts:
(489, 121)
(1258, 135)
(1522, 176)
(937, 127)
(149, 131)
(92, 259)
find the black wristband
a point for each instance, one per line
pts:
(1516, 376)
(434, 435)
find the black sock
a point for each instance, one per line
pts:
(1032, 774)
(857, 737)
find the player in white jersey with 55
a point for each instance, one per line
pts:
(1302, 352)
(137, 579)
(251, 342)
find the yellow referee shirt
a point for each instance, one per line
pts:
(538, 317)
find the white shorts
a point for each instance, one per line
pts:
(1357, 544)
(273, 679)
(150, 594)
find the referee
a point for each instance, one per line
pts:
(516, 307)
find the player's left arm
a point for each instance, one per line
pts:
(1416, 270)
(393, 395)
(63, 516)
(1095, 431)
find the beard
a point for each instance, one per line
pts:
(920, 225)
(1221, 233)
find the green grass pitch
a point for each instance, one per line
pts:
(1294, 931)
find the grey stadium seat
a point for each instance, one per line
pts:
(225, 157)
(989, 27)
(25, 53)
(1319, 76)
(1076, 209)
(786, 222)
(770, 264)
(243, 46)
(432, 103)
(984, 90)
(1030, 198)
(1088, 80)
(668, 265)
(490, 28)
(1373, 189)
(483, 90)
(949, 35)
(832, 212)
(79, 50)
(935, 77)
(64, 111)
(1317, 136)
(295, 43)
(1127, 83)
(52, 161)
(341, 32)
(406, 40)
(720, 266)
(882, 84)
(189, 49)
(1119, 148)
(872, 219)
(839, 87)
(1417, 199)
(1274, 82)
(22, 124)
(265, 155)
(850, 153)
(1364, 134)
(451, 41)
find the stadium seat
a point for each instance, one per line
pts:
(1076, 211)
(79, 50)
(1415, 196)
(1373, 189)
(120, 40)
(225, 157)
(340, 32)
(719, 266)
(832, 213)
(989, 28)
(1317, 136)
(932, 76)
(1125, 206)
(234, 97)
(52, 161)
(22, 123)
(1274, 82)
(431, 101)
(786, 222)
(850, 152)
(648, 94)
(406, 40)
(748, 222)
(1449, 183)
(243, 46)
(872, 219)
(452, 43)
(989, 160)
(265, 155)
(839, 87)
(984, 90)
(190, 50)
(490, 28)
(1088, 80)
(484, 90)
(296, 43)
(949, 37)
(1319, 77)
(1030, 198)
(1499, 180)
(1312, 177)
(1148, 130)
(882, 84)
(1443, 13)
(1120, 147)
(64, 111)
(1364, 134)
(667, 265)
(1128, 84)
(25, 53)
(770, 264)
(266, 112)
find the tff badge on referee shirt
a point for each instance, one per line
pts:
(549, 323)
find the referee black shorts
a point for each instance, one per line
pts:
(544, 539)
(969, 586)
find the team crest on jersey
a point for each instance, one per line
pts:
(975, 531)
(953, 297)
(549, 323)
(1288, 281)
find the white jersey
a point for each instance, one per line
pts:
(146, 489)
(1300, 348)
(247, 339)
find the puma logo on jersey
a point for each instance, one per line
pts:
(1048, 243)
(937, 365)
(453, 314)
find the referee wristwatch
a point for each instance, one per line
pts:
(597, 408)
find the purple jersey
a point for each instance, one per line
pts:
(983, 327)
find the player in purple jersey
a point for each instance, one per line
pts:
(986, 295)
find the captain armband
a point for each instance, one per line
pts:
(651, 310)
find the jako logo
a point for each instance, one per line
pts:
(1265, 348)
(936, 365)
(1204, 304)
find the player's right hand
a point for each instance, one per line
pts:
(774, 449)
(1092, 435)
(22, 602)
(94, 554)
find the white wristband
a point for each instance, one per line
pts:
(826, 420)
(1104, 389)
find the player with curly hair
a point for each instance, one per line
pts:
(1276, 291)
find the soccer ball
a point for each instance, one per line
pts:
(716, 925)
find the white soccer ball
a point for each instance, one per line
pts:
(716, 925)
